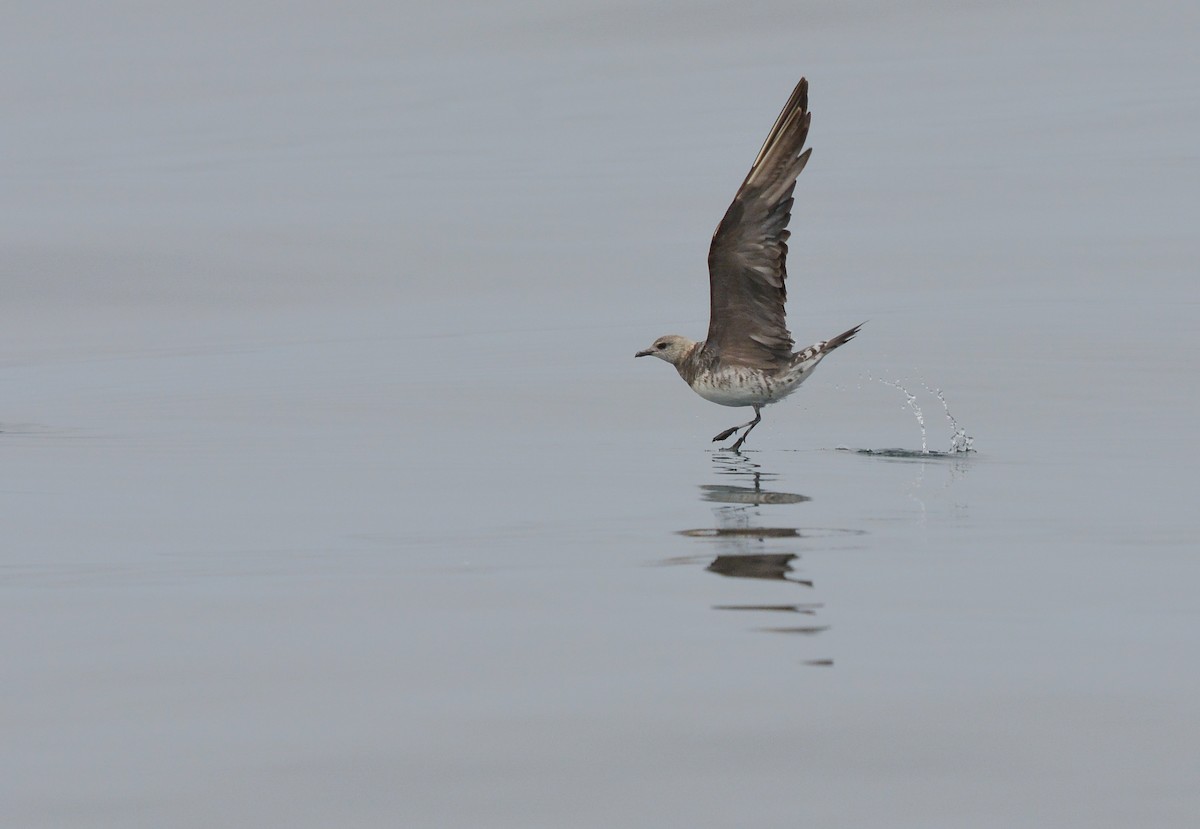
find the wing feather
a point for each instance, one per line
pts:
(747, 269)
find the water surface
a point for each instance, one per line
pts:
(331, 494)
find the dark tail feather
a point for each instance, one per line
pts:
(841, 339)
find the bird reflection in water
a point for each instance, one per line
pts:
(749, 550)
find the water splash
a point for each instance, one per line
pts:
(911, 400)
(960, 441)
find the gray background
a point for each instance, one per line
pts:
(330, 493)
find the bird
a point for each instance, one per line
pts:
(747, 358)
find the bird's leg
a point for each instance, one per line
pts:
(728, 432)
(733, 429)
(749, 428)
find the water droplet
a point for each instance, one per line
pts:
(960, 441)
(910, 400)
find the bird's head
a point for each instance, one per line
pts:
(672, 348)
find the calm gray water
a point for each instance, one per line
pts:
(331, 495)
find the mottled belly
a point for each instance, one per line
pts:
(733, 387)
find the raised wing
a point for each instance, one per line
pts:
(746, 262)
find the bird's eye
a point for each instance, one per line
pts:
(661, 346)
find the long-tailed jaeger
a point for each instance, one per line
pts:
(747, 359)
